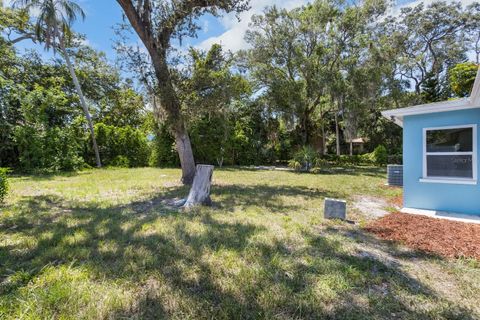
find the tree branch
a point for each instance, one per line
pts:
(143, 29)
(26, 36)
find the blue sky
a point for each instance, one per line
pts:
(102, 15)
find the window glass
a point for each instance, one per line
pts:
(450, 140)
(453, 166)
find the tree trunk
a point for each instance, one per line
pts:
(171, 105)
(185, 153)
(82, 102)
(324, 140)
(337, 133)
(157, 43)
(304, 129)
(351, 147)
(200, 191)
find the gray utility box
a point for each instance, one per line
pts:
(335, 209)
(395, 175)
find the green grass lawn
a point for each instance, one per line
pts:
(101, 244)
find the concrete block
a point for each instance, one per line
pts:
(335, 209)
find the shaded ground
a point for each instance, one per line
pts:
(102, 244)
(438, 236)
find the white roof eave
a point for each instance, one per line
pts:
(397, 115)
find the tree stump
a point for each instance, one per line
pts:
(200, 191)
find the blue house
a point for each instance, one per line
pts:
(440, 156)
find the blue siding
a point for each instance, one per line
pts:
(436, 196)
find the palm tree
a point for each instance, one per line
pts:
(53, 28)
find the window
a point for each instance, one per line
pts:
(450, 154)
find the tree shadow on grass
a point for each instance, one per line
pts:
(198, 265)
(46, 176)
(387, 279)
(135, 258)
(231, 197)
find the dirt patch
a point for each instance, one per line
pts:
(397, 202)
(371, 206)
(446, 238)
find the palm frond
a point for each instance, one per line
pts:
(54, 18)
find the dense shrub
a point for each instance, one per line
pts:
(53, 149)
(321, 163)
(345, 159)
(163, 153)
(30, 148)
(380, 155)
(395, 159)
(120, 161)
(350, 160)
(3, 184)
(122, 146)
(243, 146)
(295, 165)
(306, 159)
(221, 140)
(209, 137)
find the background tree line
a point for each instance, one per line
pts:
(317, 76)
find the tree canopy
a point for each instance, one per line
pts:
(314, 79)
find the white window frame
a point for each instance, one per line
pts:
(473, 153)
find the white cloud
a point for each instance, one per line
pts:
(205, 26)
(396, 9)
(85, 42)
(233, 38)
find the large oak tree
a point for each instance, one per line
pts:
(157, 23)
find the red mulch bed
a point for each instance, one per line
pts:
(446, 238)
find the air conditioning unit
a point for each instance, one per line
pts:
(395, 175)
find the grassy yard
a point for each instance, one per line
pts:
(101, 244)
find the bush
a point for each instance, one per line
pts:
(295, 165)
(306, 156)
(395, 159)
(163, 153)
(380, 155)
(317, 170)
(62, 150)
(350, 160)
(53, 149)
(308, 159)
(321, 163)
(123, 146)
(367, 158)
(120, 161)
(3, 184)
(341, 160)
